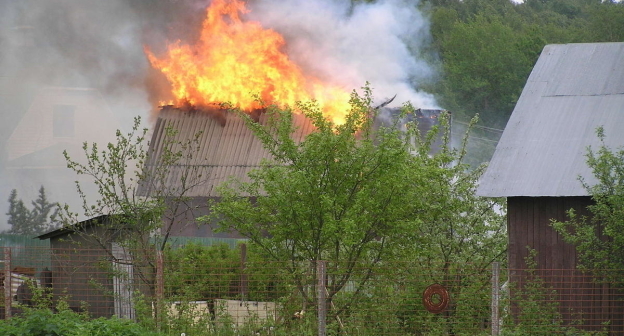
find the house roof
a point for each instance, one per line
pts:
(228, 147)
(572, 90)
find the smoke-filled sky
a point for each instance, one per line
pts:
(353, 45)
(99, 44)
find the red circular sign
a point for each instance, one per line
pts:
(436, 298)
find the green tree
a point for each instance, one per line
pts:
(353, 195)
(606, 22)
(485, 67)
(599, 238)
(31, 222)
(140, 222)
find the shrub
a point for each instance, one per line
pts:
(44, 322)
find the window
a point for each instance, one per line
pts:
(63, 121)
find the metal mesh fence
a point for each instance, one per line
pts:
(309, 297)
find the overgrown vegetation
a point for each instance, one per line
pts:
(392, 304)
(45, 322)
(50, 317)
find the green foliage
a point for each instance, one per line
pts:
(486, 63)
(44, 322)
(199, 278)
(116, 182)
(606, 23)
(196, 272)
(338, 195)
(359, 197)
(486, 49)
(24, 221)
(599, 238)
(328, 197)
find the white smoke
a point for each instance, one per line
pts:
(351, 45)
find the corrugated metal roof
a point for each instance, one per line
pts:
(572, 90)
(227, 148)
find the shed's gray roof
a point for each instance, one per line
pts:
(572, 90)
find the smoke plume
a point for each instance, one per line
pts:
(100, 45)
(353, 44)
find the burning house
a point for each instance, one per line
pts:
(572, 90)
(226, 149)
(218, 69)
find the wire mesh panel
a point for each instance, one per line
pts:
(218, 288)
(566, 299)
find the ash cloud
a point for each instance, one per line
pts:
(352, 44)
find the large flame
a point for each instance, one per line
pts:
(238, 61)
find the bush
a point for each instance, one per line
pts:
(44, 322)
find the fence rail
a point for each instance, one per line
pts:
(398, 298)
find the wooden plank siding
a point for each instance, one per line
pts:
(580, 298)
(528, 224)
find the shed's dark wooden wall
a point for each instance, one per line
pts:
(528, 225)
(77, 274)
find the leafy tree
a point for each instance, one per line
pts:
(31, 222)
(486, 49)
(485, 67)
(355, 196)
(140, 222)
(606, 22)
(599, 238)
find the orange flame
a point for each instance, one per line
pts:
(235, 60)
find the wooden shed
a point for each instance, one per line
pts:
(91, 270)
(572, 90)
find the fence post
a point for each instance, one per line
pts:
(160, 287)
(322, 297)
(7, 283)
(495, 298)
(243, 275)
